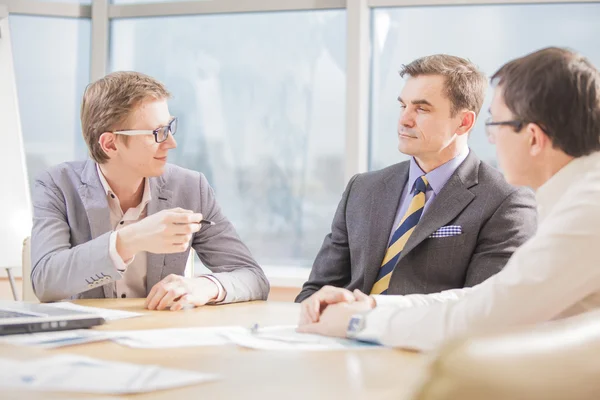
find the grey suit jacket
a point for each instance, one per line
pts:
(71, 229)
(496, 218)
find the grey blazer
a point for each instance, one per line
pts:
(496, 218)
(71, 229)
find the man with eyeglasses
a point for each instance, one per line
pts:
(545, 122)
(122, 224)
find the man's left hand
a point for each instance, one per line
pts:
(335, 318)
(175, 292)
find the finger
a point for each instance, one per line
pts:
(305, 313)
(181, 239)
(156, 297)
(304, 319)
(337, 296)
(191, 301)
(184, 218)
(183, 229)
(178, 247)
(182, 303)
(171, 295)
(360, 296)
(315, 309)
(179, 210)
(160, 285)
(151, 294)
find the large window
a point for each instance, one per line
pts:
(261, 96)
(487, 35)
(147, 1)
(261, 102)
(52, 63)
(84, 2)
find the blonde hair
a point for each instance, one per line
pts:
(110, 100)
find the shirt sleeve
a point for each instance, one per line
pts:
(116, 259)
(543, 280)
(222, 292)
(415, 300)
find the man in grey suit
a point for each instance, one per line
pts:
(121, 224)
(442, 220)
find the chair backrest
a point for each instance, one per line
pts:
(28, 294)
(554, 361)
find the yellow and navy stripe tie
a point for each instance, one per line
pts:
(400, 237)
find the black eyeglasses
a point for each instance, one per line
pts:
(160, 134)
(517, 125)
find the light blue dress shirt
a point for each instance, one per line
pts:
(436, 178)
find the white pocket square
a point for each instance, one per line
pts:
(447, 231)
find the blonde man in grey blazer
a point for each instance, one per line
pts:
(122, 223)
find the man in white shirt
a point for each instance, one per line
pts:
(122, 223)
(545, 122)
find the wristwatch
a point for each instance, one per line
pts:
(356, 325)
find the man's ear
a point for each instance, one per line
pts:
(108, 143)
(538, 140)
(467, 122)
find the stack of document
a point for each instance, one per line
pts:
(51, 340)
(69, 373)
(267, 338)
(176, 337)
(286, 338)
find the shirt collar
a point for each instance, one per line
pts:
(146, 197)
(549, 194)
(439, 176)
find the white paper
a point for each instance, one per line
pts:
(176, 337)
(70, 373)
(52, 340)
(286, 338)
(107, 314)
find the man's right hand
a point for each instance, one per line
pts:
(311, 308)
(168, 231)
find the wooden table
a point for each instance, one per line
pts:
(246, 373)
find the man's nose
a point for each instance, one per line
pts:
(406, 119)
(170, 143)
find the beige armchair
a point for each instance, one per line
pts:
(556, 361)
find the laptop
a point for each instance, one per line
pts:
(18, 317)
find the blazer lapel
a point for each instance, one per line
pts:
(383, 208)
(446, 206)
(94, 201)
(161, 199)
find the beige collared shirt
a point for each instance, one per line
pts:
(133, 271)
(554, 275)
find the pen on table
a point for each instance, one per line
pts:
(254, 331)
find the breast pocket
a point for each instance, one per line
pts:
(447, 241)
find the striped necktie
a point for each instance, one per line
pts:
(400, 237)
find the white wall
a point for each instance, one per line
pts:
(15, 203)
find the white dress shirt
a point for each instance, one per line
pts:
(133, 271)
(553, 275)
